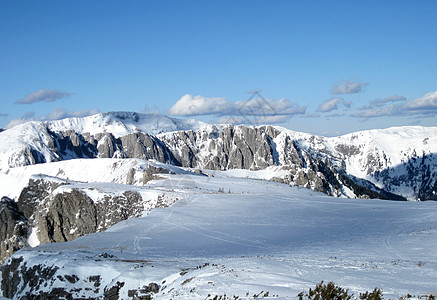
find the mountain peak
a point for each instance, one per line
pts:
(121, 123)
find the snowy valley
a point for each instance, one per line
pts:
(126, 205)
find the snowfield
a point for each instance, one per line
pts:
(246, 237)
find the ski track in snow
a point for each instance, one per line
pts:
(213, 235)
(388, 245)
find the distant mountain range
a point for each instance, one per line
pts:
(393, 163)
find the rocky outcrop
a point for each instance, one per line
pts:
(58, 210)
(16, 271)
(24, 281)
(61, 216)
(13, 228)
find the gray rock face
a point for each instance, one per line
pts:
(144, 146)
(58, 213)
(68, 215)
(13, 228)
(253, 148)
(234, 147)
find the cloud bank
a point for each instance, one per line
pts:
(265, 110)
(425, 106)
(43, 96)
(348, 87)
(332, 104)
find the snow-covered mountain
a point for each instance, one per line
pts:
(168, 183)
(37, 142)
(374, 163)
(402, 160)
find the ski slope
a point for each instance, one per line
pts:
(254, 237)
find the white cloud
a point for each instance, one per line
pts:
(423, 106)
(310, 116)
(255, 110)
(330, 105)
(190, 105)
(381, 102)
(60, 113)
(43, 96)
(348, 87)
(265, 107)
(389, 110)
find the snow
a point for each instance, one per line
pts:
(123, 123)
(104, 170)
(33, 238)
(265, 174)
(233, 232)
(14, 141)
(262, 236)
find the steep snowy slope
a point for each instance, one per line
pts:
(401, 160)
(254, 238)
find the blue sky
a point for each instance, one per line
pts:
(325, 67)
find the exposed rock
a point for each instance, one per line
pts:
(144, 146)
(60, 216)
(108, 146)
(112, 293)
(11, 276)
(152, 173)
(34, 277)
(13, 228)
(71, 144)
(69, 215)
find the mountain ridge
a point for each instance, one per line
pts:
(373, 155)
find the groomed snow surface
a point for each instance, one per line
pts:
(243, 237)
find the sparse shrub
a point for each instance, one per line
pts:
(422, 297)
(332, 292)
(327, 291)
(375, 295)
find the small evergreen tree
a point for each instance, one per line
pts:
(325, 292)
(375, 295)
